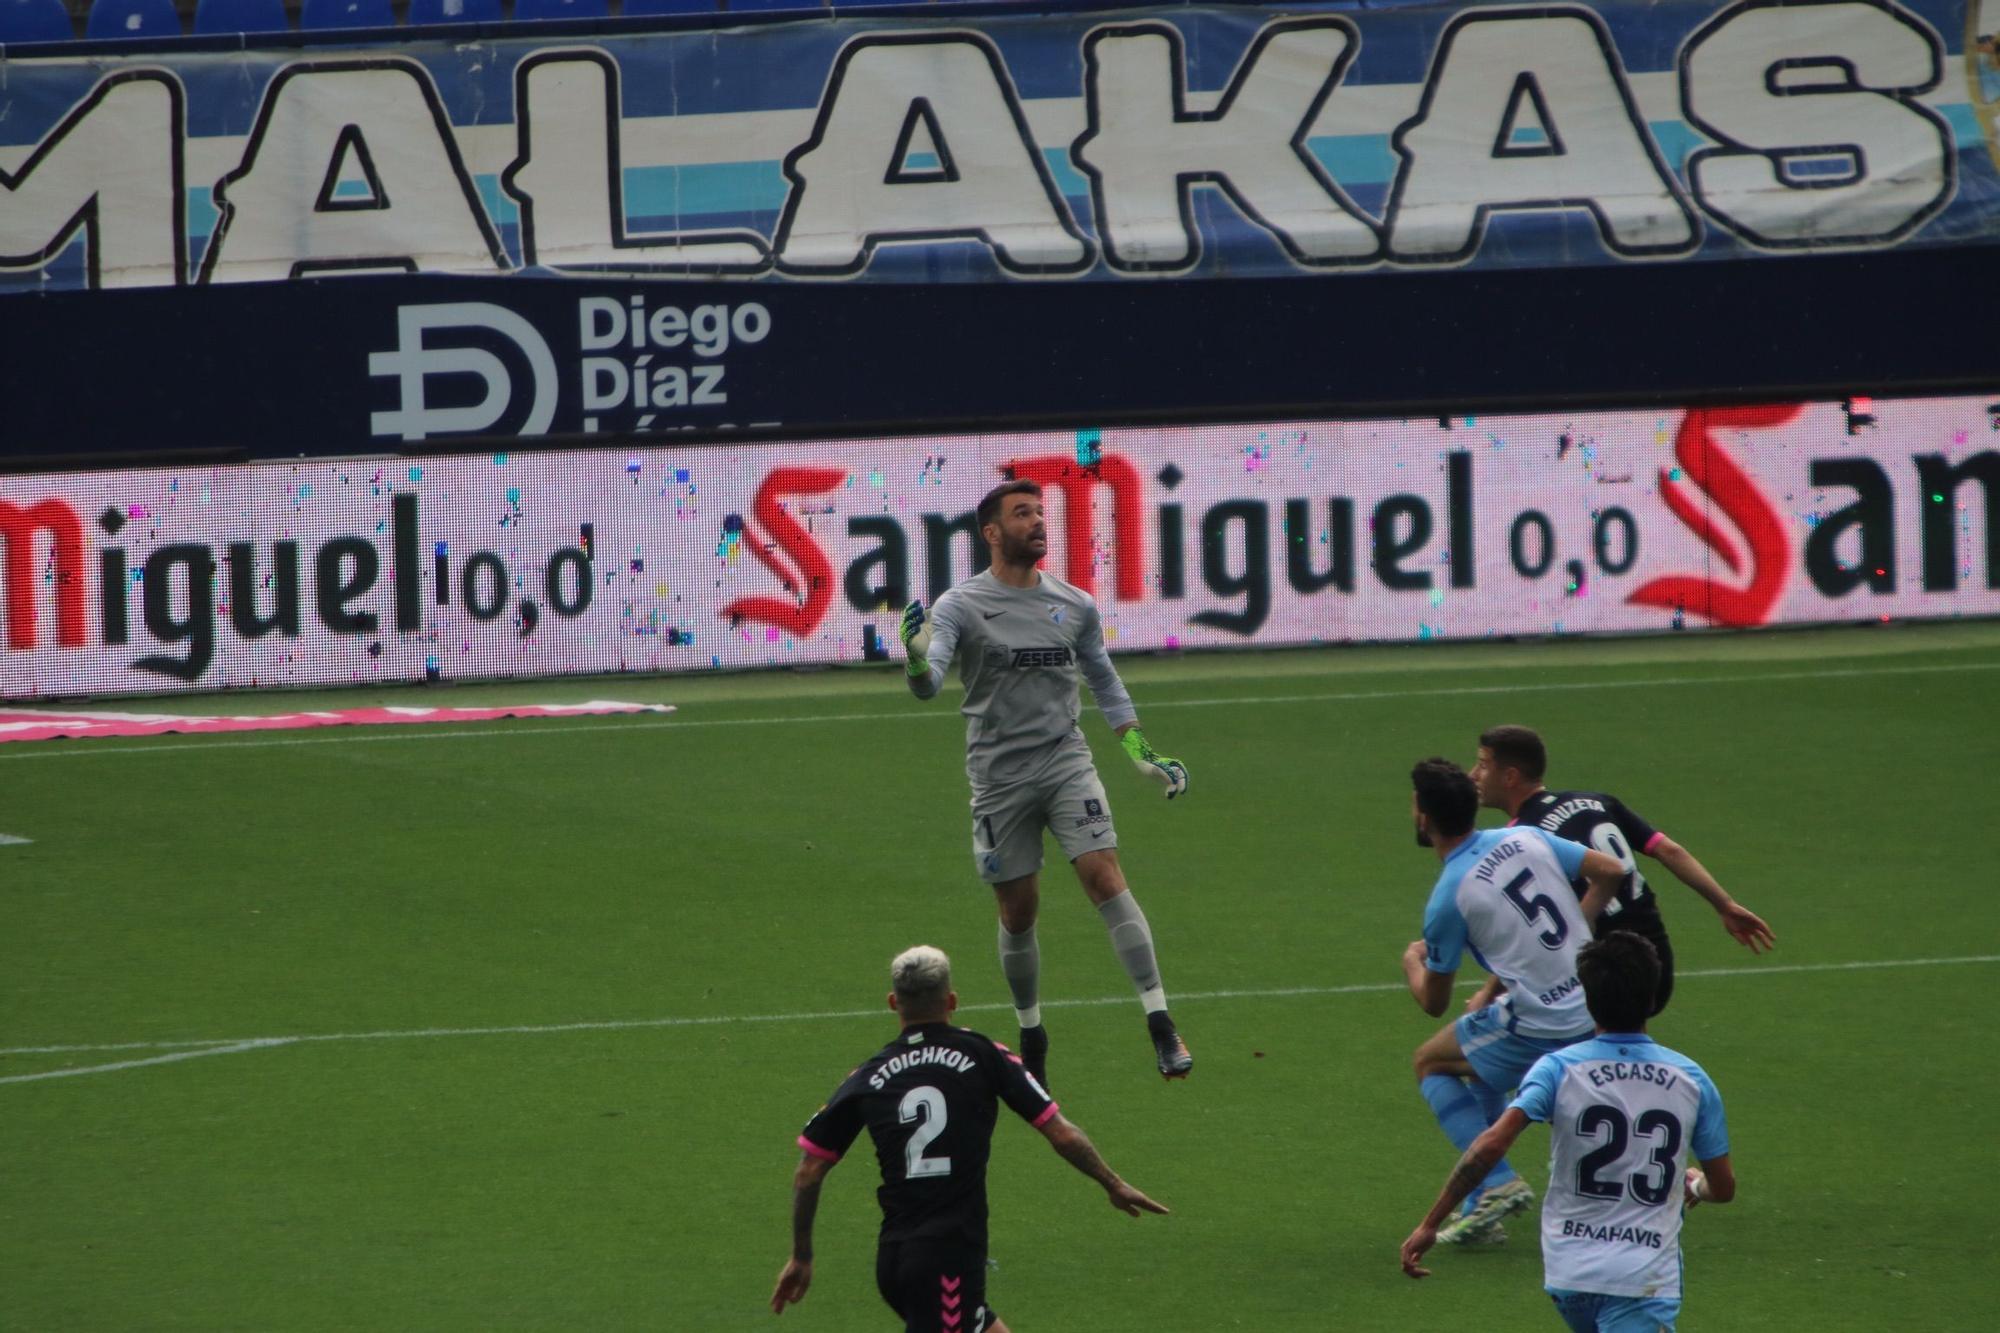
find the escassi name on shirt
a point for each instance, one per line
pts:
(1617, 1071)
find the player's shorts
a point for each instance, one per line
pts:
(1647, 923)
(1007, 823)
(1589, 1312)
(934, 1287)
(1501, 1058)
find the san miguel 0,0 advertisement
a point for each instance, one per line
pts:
(715, 557)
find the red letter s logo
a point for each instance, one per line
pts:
(811, 573)
(1735, 492)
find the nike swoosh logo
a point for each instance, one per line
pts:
(990, 614)
(1098, 834)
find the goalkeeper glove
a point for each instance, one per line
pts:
(916, 634)
(1169, 773)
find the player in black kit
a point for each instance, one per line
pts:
(929, 1100)
(1512, 761)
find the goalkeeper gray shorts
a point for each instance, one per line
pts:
(1007, 822)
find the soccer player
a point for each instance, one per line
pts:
(929, 1100)
(1505, 894)
(1623, 1113)
(1020, 638)
(1509, 773)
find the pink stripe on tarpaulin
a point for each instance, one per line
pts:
(1043, 1118)
(43, 724)
(817, 1151)
(1652, 842)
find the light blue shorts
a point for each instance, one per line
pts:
(1588, 1312)
(1502, 1058)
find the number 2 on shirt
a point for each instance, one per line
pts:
(925, 1108)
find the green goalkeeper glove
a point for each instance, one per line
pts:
(916, 634)
(1169, 773)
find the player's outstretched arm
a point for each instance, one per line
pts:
(1075, 1147)
(1487, 1149)
(1747, 928)
(1094, 662)
(797, 1274)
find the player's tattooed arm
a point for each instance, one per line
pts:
(1479, 1159)
(805, 1203)
(1075, 1147)
(1465, 1177)
(797, 1273)
(1487, 1149)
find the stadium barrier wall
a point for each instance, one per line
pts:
(755, 555)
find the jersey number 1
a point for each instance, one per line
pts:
(925, 1108)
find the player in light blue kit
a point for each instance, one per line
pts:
(1505, 894)
(1624, 1112)
(1021, 640)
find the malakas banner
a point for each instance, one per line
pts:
(1242, 141)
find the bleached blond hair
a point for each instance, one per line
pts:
(921, 978)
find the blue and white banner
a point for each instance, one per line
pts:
(1246, 142)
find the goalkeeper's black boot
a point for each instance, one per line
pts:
(1175, 1060)
(1035, 1053)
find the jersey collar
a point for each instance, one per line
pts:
(1464, 848)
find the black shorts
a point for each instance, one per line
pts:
(934, 1287)
(1665, 948)
(1648, 925)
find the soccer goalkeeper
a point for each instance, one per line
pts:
(1019, 637)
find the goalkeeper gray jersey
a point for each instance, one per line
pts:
(1018, 652)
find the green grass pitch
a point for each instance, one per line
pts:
(722, 889)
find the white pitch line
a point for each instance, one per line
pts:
(228, 1045)
(36, 750)
(230, 1049)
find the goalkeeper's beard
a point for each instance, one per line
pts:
(1022, 553)
(1423, 837)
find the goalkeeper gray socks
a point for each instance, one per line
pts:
(1021, 961)
(1132, 939)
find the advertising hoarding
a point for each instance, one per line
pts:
(765, 554)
